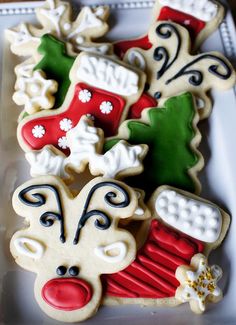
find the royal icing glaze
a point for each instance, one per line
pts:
(35, 92)
(106, 74)
(152, 274)
(85, 144)
(198, 283)
(196, 218)
(204, 10)
(168, 132)
(103, 252)
(29, 247)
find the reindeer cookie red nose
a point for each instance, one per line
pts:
(67, 293)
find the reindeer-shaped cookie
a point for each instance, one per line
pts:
(172, 70)
(71, 241)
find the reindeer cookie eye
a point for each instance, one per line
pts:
(61, 270)
(73, 270)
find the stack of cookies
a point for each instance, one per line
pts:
(121, 119)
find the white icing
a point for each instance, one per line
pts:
(89, 20)
(25, 70)
(204, 10)
(21, 36)
(83, 142)
(105, 74)
(100, 49)
(103, 252)
(195, 218)
(62, 143)
(136, 59)
(54, 15)
(38, 131)
(46, 162)
(85, 95)
(35, 92)
(29, 247)
(106, 107)
(120, 157)
(204, 279)
(66, 124)
(67, 26)
(139, 211)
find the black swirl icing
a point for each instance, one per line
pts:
(104, 221)
(166, 31)
(47, 219)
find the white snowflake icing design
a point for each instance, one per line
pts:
(66, 124)
(85, 95)
(62, 143)
(38, 131)
(35, 92)
(106, 107)
(21, 35)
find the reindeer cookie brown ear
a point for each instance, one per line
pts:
(71, 241)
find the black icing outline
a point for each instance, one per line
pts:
(108, 199)
(47, 218)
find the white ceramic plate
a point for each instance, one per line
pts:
(128, 19)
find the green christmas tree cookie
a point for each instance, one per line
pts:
(172, 137)
(56, 63)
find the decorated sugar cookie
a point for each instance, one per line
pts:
(85, 143)
(55, 18)
(100, 86)
(159, 275)
(201, 18)
(172, 137)
(172, 70)
(198, 283)
(70, 241)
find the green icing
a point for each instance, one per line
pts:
(56, 63)
(168, 136)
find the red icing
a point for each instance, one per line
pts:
(120, 48)
(193, 25)
(67, 293)
(152, 274)
(145, 101)
(51, 123)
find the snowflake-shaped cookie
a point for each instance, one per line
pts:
(198, 283)
(106, 107)
(35, 92)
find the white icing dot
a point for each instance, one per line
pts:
(187, 224)
(66, 124)
(163, 212)
(211, 233)
(172, 208)
(171, 194)
(185, 213)
(200, 219)
(213, 222)
(62, 143)
(67, 26)
(38, 131)
(106, 107)
(194, 208)
(85, 95)
(162, 202)
(199, 231)
(208, 211)
(172, 217)
(182, 202)
(79, 40)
